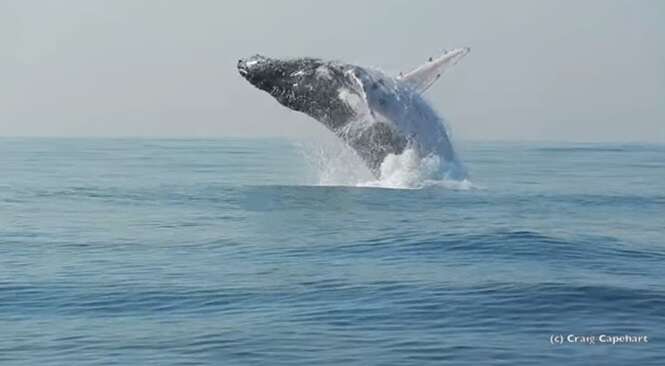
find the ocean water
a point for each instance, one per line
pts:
(231, 252)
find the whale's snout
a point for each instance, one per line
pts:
(243, 69)
(251, 66)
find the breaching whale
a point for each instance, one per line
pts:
(374, 113)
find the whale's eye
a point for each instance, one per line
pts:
(375, 86)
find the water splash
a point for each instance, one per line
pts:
(335, 164)
(332, 163)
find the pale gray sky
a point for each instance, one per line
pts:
(538, 70)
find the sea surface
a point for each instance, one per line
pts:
(231, 252)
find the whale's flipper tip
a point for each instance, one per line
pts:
(424, 76)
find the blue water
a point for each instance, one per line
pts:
(225, 252)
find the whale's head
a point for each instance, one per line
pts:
(307, 85)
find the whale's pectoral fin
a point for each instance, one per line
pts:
(375, 142)
(424, 76)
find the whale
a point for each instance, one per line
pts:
(374, 113)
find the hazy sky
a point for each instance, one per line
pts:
(545, 70)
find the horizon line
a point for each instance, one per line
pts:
(294, 138)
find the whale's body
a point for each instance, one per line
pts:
(374, 113)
